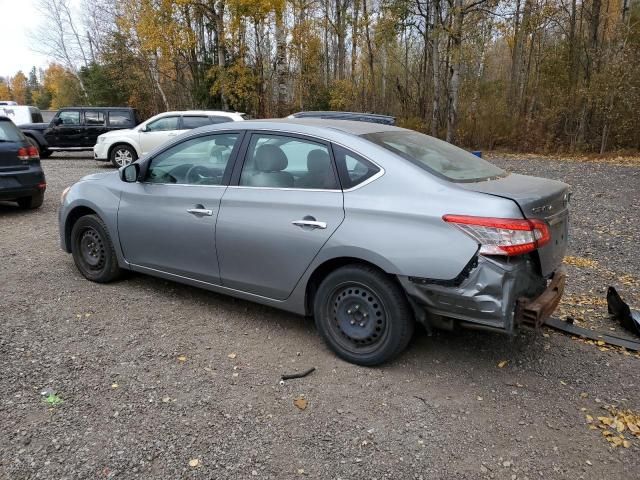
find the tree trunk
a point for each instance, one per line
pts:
(435, 59)
(454, 71)
(281, 63)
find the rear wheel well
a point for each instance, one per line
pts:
(324, 269)
(72, 218)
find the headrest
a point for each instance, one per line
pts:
(269, 158)
(318, 161)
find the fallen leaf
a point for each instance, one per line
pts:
(114, 385)
(502, 363)
(182, 358)
(232, 355)
(194, 462)
(301, 403)
(626, 443)
(589, 419)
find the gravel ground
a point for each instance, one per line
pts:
(159, 380)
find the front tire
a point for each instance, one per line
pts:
(93, 251)
(363, 315)
(122, 155)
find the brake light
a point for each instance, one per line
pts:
(28, 153)
(503, 236)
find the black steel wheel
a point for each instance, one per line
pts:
(363, 315)
(92, 250)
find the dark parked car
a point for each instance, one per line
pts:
(21, 176)
(355, 116)
(77, 128)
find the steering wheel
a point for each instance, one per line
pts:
(198, 174)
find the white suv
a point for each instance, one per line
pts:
(121, 147)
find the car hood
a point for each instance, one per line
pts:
(34, 126)
(117, 133)
(539, 198)
(98, 176)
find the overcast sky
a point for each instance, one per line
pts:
(18, 18)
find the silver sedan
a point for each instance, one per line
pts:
(366, 227)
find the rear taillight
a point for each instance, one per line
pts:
(28, 153)
(503, 236)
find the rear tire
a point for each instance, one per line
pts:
(363, 315)
(30, 203)
(122, 155)
(93, 251)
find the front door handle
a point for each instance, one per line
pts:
(200, 212)
(309, 223)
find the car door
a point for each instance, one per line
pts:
(95, 124)
(67, 130)
(167, 221)
(158, 132)
(283, 205)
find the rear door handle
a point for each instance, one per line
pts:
(309, 223)
(200, 212)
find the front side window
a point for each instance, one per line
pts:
(120, 119)
(94, 118)
(163, 124)
(436, 156)
(194, 122)
(199, 161)
(70, 117)
(353, 169)
(285, 162)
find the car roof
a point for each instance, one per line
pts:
(347, 126)
(339, 113)
(200, 112)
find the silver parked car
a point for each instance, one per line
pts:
(367, 227)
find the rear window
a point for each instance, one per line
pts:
(436, 156)
(120, 119)
(9, 132)
(36, 117)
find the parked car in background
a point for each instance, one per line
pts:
(356, 116)
(21, 114)
(126, 146)
(367, 227)
(21, 176)
(78, 128)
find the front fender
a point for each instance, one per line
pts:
(89, 196)
(38, 136)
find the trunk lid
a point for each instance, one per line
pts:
(539, 198)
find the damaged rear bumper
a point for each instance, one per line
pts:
(493, 294)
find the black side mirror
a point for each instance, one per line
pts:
(57, 121)
(130, 173)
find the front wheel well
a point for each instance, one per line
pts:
(73, 216)
(324, 269)
(119, 144)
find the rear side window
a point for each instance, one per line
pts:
(194, 122)
(353, 169)
(9, 132)
(94, 118)
(120, 119)
(220, 119)
(36, 117)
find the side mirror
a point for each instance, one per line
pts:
(130, 173)
(144, 129)
(57, 121)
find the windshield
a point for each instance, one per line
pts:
(9, 132)
(436, 156)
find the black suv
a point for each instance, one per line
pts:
(21, 176)
(77, 128)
